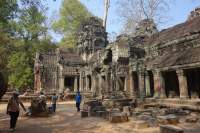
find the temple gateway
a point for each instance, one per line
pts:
(163, 64)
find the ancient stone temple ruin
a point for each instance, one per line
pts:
(149, 63)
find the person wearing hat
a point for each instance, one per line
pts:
(13, 109)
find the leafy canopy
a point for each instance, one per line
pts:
(72, 13)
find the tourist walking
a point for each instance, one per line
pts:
(78, 101)
(53, 100)
(13, 109)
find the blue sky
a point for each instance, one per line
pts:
(178, 13)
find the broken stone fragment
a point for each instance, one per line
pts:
(170, 129)
(118, 118)
(168, 119)
(127, 110)
(192, 119)
(84, 114)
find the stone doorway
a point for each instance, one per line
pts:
(69, 83)
(193, 82)
(171, 84)
(89, 82)
(151, 83)
(122, 83)
(135, 83)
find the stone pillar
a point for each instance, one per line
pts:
(117, 84)
(75, 84)
(131, 84)
(93, 85)
(127, 85)
(182, 79)
(80, 83)
(86, 83)
(147, 84)
(108, 80)
(61, 84)
(112, 81)
(159, 84)
(100, 84)
(142, 84)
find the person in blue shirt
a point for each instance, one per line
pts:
(53, 100)
(78, 101)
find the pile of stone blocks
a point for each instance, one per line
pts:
(93, 108)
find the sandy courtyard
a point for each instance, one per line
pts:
(67, 120)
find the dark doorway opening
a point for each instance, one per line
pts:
(89, 82)
(171, 84)
(69, 83)
(121, 82)
(135, 83)
(193, 81)
(151, 81)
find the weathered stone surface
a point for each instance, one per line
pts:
(170, 129)
(168, 119)
(141, 124)
(144, 117)
(127, 110)
(191, 119)
(194, 14)
(153, 122)
(118, 118)
(84, 114)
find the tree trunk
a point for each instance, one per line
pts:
(106, 6)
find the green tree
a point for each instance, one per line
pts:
(7, 13)
(72, 13)
(21, 72)
(31, 33)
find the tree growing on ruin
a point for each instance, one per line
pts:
(71, 14)
(133, 11)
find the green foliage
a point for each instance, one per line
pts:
(72, 13)
(23, 32)
(20, 69)
(8, 9)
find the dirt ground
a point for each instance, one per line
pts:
(67, 120)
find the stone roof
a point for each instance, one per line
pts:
(175, 58)
(173, 33)
(63, 57)
(48, 59)
(70, 58)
